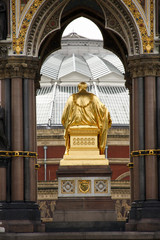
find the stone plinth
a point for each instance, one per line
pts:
(21, 217)
(84, 194)
(84, 181)
(144, 216)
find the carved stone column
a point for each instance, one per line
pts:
(5, 182)
(145, 210)
(17, 164)
(158, 126)
(18, 84)
(129, 85)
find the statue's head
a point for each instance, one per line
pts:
(82, 86)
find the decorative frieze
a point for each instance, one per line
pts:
(83, 141)
(67, 186)
(48, 193)
(84, 186)
(101, 186)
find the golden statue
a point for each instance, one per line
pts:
(84, 108)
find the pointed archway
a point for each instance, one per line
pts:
(132, 41)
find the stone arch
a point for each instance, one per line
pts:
(114, 20)
(123, 175)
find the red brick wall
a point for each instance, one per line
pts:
(51, 172)
(52, 151)
(118, 169)
(58, 152)
(118, 151)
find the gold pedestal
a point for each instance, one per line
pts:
(83, 147)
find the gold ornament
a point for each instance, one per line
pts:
(84, 186)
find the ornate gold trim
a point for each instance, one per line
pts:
(18, 42)
(130, 165)
(147, 40)
(148, 152)
(26, 154)
(84, 186)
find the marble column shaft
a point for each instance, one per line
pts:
(29, 139)
(158, 129)
(17, 167)
(138, 137)
(141, 136)
(3, 190)
(131, 147)
(3, 185)
(135, 138)
(6, 171)
(150, 138)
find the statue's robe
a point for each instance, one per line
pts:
(84, 108)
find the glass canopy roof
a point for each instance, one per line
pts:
(51, 102)
(81, 59)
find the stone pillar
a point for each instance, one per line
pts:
(158, 128)
(3, 195)
(141, 137)
(19, 211)
(129, 85)
(17, 166)
(29, 139)
(145, 210)
(6, 104)
(135, 137)
(150, 138)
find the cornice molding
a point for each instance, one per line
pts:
(119, 161)
(50, 161)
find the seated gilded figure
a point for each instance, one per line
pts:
(84, 108)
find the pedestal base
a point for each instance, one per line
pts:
(144, 216)
(93, 209)
(84, 194)
(21, 217)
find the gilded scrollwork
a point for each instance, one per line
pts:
(142, 3)
(147, 39)
(20, 37)
(18, 41)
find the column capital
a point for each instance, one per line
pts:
(142, 66)
(23, 67)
